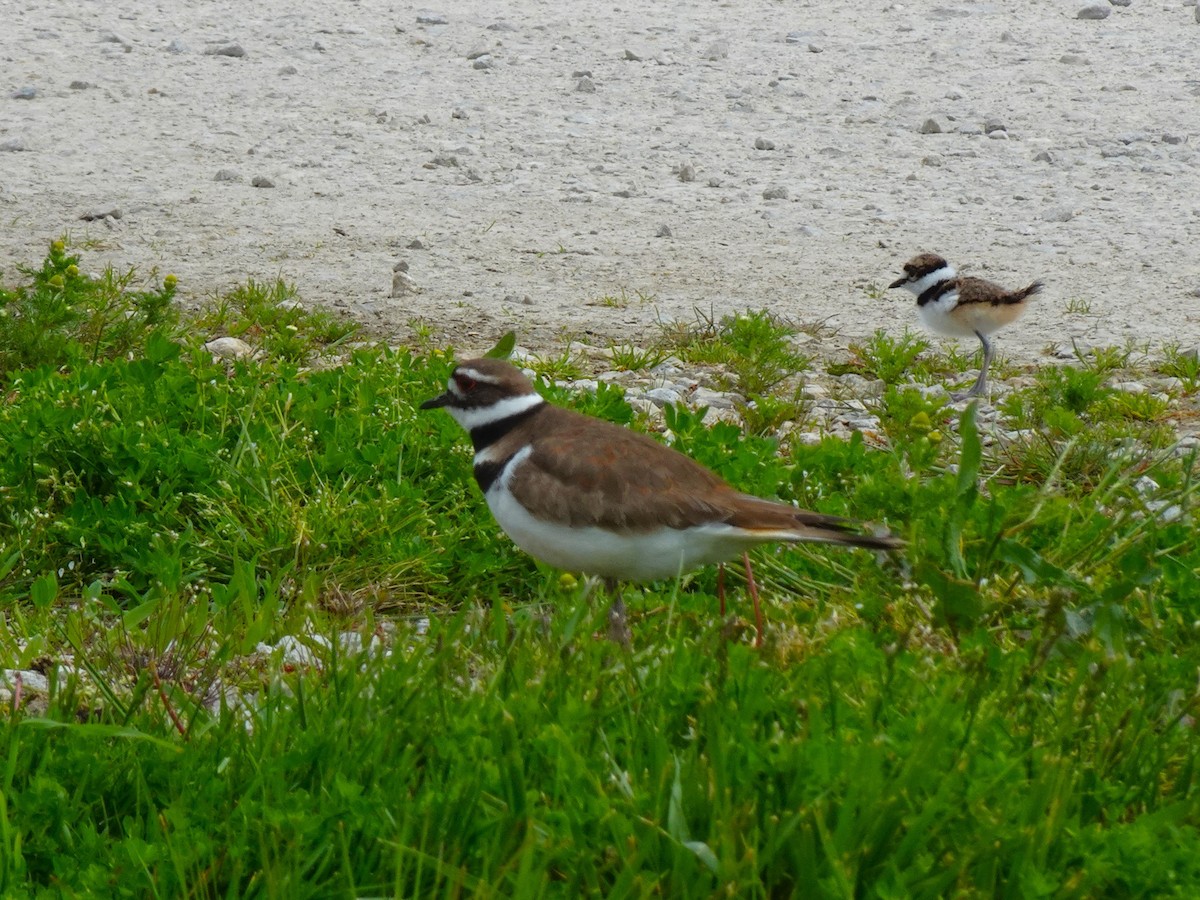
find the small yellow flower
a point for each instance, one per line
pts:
(567, 581)
(921, 422)
(58, 247)
(56, 281)
(935, 437)
(73, 270)
(169, 282)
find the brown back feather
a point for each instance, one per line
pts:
(576, 474)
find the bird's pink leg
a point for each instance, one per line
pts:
(753, 589)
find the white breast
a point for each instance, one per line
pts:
(640, 556)
(936, 316)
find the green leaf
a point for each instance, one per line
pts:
(676, 821)
(1033, 566)
(703, 853)
(972, 452)
(44, 591)
(140, 613)
(99, 731)
(958, 600)
(160, 348)
(504, 347)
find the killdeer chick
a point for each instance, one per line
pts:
(960, 306)
(585, 495)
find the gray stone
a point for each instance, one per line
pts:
(425, 17)
(227, 175)
(484, 62)
(716, 50)
(31, 682)
(80, 85)
(763, 144)
(232, 50)
(1121, 2)
(930, 126)
(14, 145)
(861, 387)
(1058, 214)
(661, 396)
(861, 423)
(502, 26)
(25, 93)
(417, 244)
(775, 192)
(478, 52)
(664, 231)
(1095, 11)
(1145, 485)
(585, 85)
(686, 172)
(229, 348)
(631, 56)
(102, 212)
(993, 125)
(288, 70)
(262, 181)
(177, 46)
(294, 652)
(713, 399)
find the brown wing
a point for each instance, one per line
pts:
(979, 290)
(757, 514)
(583, 471)
(587, 472)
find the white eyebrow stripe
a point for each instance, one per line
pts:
(477, 417)
(478, 376)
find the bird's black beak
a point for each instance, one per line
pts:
(443, 400)
(899, 282)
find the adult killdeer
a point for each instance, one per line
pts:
(960, 306)
(588, 496)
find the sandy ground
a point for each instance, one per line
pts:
(539, 204)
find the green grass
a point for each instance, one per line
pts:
(1006, 708)
(1183, 365)
(754, 348)
(756, 357)
(884, 357)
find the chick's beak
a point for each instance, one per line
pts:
(899, 282)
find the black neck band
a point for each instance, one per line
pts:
(932, 293)
(486, 435)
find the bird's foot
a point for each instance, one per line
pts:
(973, 394)
(618, 626)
